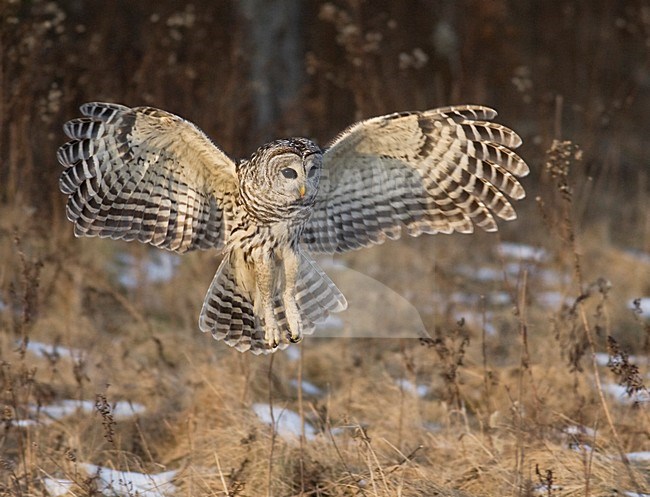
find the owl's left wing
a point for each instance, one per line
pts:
(145, 174)
(437, 171)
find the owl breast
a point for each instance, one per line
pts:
(251, 235)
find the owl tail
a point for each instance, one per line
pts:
(229, 308)
(228, 311)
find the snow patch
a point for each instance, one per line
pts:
(639, 255)
(522, 251)
(432, 426)
(343, 430)
(490, 274)
(412, 388)
(68, 407)
(57, 487)
(307, 387)
(541, 489)
(23, 423)
(478, 321)
(552, 300)
(118, 483)
(550, 277)
(470, 300)
(580, 430)
(620, 394)
(644, 304)
(639, 456)
(580, 447)
(49, 351)
(485, 274)
(499, 298)
(602, 359)
(128, 483)
(287, 422)
(156, 267)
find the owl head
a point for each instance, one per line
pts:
(288, 169)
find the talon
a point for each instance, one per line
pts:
(272, 337)
(294, 334)
(274, 341)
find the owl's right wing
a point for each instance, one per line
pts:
(145, 174)
(436, 171)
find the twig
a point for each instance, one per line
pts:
(486, 375)
(301, 412)
(524, 365)
(269, 491)
(223, 479)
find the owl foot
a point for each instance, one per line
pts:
(272, 336)
(295, 335)
(271, 331)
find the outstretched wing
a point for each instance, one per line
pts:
(437, 171)
(145, 174)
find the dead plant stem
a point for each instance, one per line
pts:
(301, 412)
(269, 490)
(524, 364)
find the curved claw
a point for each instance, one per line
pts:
(272, 337)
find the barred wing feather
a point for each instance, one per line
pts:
(148, 175)
(436, 171)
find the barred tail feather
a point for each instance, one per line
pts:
(228, 312)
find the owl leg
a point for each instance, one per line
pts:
(291, 261)
(265, 286)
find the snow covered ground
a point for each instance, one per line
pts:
(287, 422)
(118, 483)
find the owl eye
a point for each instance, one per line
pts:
(312, 172)
(289, 173)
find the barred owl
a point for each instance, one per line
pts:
(145, 174)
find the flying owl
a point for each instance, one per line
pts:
(145, 174)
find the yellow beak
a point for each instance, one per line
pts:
(302, 190)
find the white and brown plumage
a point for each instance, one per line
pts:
(145, 174)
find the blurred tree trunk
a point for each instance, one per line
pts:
(276, 60)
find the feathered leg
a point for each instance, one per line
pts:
(265, 269)
(291, 262)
